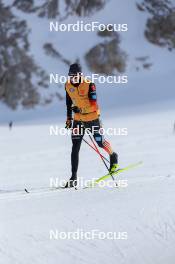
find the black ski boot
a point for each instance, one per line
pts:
(113, 162)
(72, 181)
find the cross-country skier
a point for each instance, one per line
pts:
(81, 98)
(10, 125)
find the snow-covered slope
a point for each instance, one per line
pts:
(145, 209)
(30, 157)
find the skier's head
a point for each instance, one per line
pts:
(75, 73)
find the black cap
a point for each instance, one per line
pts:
(74, 69)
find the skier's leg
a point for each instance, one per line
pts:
(103, 143)
(77, 136)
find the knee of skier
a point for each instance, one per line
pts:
(99, 140)
(76, 145)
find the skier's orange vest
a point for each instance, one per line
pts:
(79, 96)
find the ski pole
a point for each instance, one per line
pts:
(95, 149)
(101, 156)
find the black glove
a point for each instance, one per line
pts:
(68, 123)
(76, 109)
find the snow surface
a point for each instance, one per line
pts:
(145, 209)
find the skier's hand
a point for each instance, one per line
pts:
(76, 109)
(68, 123)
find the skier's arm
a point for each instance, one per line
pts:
(92, 99)
(69, 111)
(69, 106)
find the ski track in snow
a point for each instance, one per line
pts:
(145, 209)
